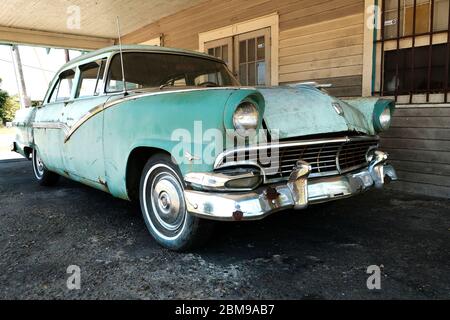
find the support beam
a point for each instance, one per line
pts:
(51, 39)
(24, 99)
(369, 25)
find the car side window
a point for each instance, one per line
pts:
(63, 88)
(91, 76)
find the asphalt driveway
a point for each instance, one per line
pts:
(323, 252)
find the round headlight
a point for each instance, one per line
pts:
(245, 118)
(385, 119)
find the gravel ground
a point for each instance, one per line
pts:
(319, 253)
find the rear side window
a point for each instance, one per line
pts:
(63, 88)
(91, 78)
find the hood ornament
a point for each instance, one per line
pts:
(338, 108)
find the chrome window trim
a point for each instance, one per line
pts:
(100, 83)
(75, 67)
(55, 84)
(109, 53)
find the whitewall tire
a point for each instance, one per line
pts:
(164, 209)
(42, 175)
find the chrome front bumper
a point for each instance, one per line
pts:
(297, 193)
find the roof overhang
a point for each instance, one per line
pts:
(52, 39)
(80, 24)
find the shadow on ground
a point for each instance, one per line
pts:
(322, 252)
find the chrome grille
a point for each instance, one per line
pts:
(322, 158)
(354, 155)
(326, 157)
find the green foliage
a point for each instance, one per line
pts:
(8, 106)
(3, 98)
(35, 103)
(9, 109)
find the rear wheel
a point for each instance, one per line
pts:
(164, 209)
(43, 176)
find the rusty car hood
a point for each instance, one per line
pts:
(304, 110)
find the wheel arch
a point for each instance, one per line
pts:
(135, 164)
(28, 151)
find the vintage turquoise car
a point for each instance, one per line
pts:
(174, 130)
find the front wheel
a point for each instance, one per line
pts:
(43, 176)
(164, 209)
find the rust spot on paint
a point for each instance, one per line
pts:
(238, 215)
(271, 194)
(103, 183)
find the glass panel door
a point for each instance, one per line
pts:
(222, 49)
(247, 55)
(252, 52)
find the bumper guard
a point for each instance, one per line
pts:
(297, 193)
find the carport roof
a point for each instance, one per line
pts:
(48, 23)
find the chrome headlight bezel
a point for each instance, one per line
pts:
(382, 116)
(385, 119)
(246, 118)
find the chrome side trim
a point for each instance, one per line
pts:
(19, 124)
(100, 108)
(51, 125)
(79, 123)
(157, 91)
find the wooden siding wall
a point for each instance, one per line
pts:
(419, 148)
(320, 40)
(329, 51)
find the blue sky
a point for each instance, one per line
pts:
(39, 68)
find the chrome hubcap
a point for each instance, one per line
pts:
(39, 165)
(168, 201)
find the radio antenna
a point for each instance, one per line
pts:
(121, 57)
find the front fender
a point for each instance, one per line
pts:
(372, 109)
(178, 149)
(175, 122)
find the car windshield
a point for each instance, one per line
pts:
(150, 70)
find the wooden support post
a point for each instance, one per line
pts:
(24, 99)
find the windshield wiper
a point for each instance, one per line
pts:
(165, 85)
(208, 84)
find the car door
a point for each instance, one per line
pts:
(48, 130)
(82, 148)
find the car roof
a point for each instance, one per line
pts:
(140, 48)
